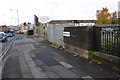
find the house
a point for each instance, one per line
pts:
(30, 26)
(3, 28)
(30, 29)
(41, 29)
(86, 22)
(23, 28)
(71, 23)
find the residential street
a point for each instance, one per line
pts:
(30, 58)
(60, 40)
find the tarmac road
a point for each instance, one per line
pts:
(3, 45)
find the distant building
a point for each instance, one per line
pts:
(3, 28)
(30, 26)
(36, 22)
(61, 22)
(41, 29)
(119, 9)
(12, 27)
(55, 29)
(71, 23)
(23, 28)
(86, 22)
(30, 29)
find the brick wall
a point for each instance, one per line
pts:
(81, 37)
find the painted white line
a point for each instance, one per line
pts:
(14, 43)
(2, 55)
(87, 78)
(65, 64)
(1, 69)
(4, 52)
(7, 48)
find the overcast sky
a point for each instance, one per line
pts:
(55, 9)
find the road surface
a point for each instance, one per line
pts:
(35, 59)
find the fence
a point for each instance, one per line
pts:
(55, 34)
(99, 38)
(107, 39)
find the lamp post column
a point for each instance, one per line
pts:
(18, 17)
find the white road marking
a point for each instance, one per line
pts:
(14, 43)
(6, 49)
(65, 64)
(87, 78)
(1, 69)
(0, 48)
(64, 72)
(2, 54)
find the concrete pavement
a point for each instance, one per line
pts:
(34, 59)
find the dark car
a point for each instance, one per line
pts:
(3, 37)
(10, 34)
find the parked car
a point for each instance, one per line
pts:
(17, 32)
(21, 32)
(3, 37)
(12, 32)
(10, 35)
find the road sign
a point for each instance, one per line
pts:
(66, 34)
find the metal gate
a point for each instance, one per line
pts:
(107, 39)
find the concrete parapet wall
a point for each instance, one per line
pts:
(106, 59)
(76, 51)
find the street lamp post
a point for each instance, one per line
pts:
(17, 15)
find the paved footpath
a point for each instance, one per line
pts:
(34, 59)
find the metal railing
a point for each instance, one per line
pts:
(107, 39)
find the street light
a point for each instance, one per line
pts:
(17, 15)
